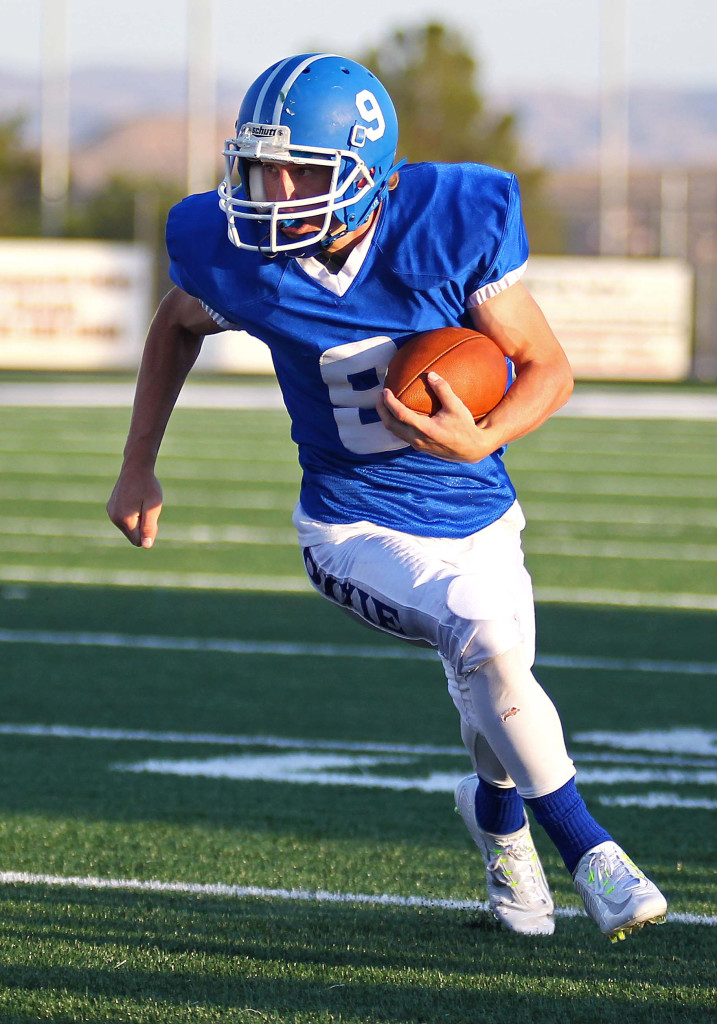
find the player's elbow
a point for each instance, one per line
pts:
(565, 383)
(560, 374)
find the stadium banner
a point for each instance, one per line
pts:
(73, 305)
(86, 305)
(618, 319)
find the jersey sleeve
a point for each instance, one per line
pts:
(511, 255)
(195, 234)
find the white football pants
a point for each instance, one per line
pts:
(471, 599)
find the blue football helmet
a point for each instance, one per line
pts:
(315, 109)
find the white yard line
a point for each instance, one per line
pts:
(80, 494)
(159, 580)
(300, 585)
(55, 535)
(92, 395)
(220, 889)
(271, 648)
(597, 403)
(667, 743)
(626, 598)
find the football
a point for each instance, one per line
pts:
(470, 362)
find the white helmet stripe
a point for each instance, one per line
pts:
(284, 90)
(265, 88)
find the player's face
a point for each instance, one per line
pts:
(283, 182)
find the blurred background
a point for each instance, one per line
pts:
(606, 110)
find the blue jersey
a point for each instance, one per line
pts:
(449, 236)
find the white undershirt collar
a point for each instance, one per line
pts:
(339, 282)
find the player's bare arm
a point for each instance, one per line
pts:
(173, 343)
(544, 382)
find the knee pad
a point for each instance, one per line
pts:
(503, 702)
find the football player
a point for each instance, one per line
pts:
(333, 254)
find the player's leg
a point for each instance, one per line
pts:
(616, 894)
(518, 722)
(414, 588)
(467, 599)
(494, 814)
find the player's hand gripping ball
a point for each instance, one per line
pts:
(471, 363)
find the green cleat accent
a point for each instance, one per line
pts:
(616, 893)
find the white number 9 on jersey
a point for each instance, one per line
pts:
(368, 108)
(354, 375)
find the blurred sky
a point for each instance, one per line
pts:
(521, 44)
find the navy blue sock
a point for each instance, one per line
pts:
(568, 822)
(499, 810)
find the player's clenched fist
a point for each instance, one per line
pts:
(135, 505)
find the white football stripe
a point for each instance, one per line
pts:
(217, 581)
(294, 895)
(38, 535)
(593, 403)
(652, 801)
(168, 580)
(302, 768)
(98, 395)
(221, 645)
(671, 741)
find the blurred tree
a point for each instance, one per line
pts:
(442, 116)
(19, 183)
(123, 208)
(127, 209)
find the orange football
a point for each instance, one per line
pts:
(471, 363)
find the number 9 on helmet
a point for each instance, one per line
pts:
(312, 110)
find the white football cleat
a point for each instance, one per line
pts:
(517, 889)
(617, 895)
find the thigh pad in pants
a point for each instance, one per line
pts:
(470, 598)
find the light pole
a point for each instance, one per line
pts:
(614, 130)
(201, 98)
(55, 117)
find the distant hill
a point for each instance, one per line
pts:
(668, 128)
(560, 130)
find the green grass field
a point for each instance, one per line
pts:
(223, 801)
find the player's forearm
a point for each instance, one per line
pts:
(539, 390)
(169, 354)
(544, 380)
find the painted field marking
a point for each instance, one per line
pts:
(593, 403)
(39, 534)
(172, 469)
(253, 461)
(283, 500)
(325, 770)
(220, 889)
(640, 515)
(562, 483)
(109, 395)
(218, 645)
(219, 739)
(652, 801)
(166, 580)
(44, 535)
(299, 584)
(633, 550)
(626, 486)
(671, 742)
(341, 763)
(238, 498)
